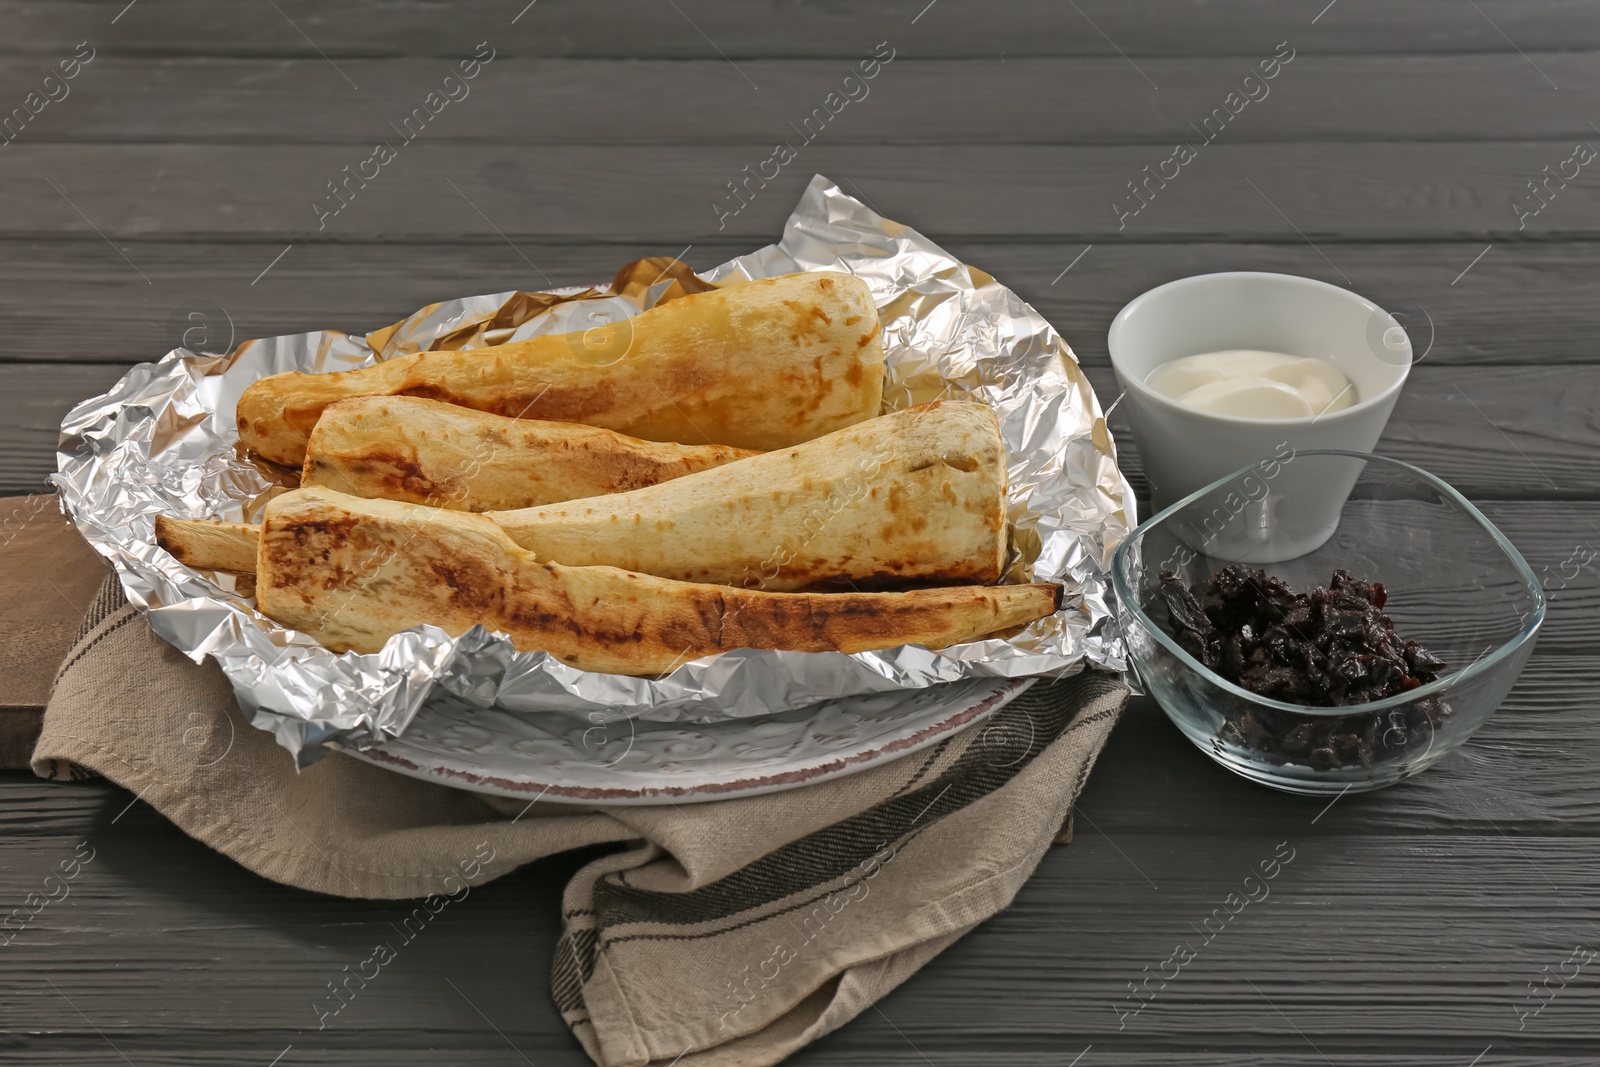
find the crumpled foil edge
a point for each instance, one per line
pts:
(162, 441)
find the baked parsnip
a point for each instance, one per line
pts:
(352, 572)
(913, 497)
(760, 365)
(430, 452)
(208, 545)
(917, 496)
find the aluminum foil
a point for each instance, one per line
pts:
(163, 441)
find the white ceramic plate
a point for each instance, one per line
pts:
(634, 762)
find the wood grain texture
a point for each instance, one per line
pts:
(1464, 424)
(702, 28)
(1493, 433)
(1386, 158)
(36, 398)
(1325, 192)
(1521, 773)
(1556, 540)
(210, 953)
(1397, 902)
(829, 1051)
(1522, 303)
(1525, 772)
(912, 100)
(243, 960)
(75, 300)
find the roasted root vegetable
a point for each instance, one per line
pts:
(446, 456)
(352, 572)
(916, 497)
(760, 365)
(206, 545)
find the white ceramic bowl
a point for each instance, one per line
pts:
(1184, 450)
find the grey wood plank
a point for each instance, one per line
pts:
(1377, 945)
(244, 960)
(1449, 420)
(635, 28)
(1485, 96)
(1423, 943)
(1524, 773)
(37, 398)
(1555, 540)
(205, 291)
(1409, 924)
(1493, 433)
(1311, 190)
(398, 1049)
(1523, 302)
(1560, 541)
(1527, 771)
(1547, 456)
(36, 808)
(878, 1055)
(1263, 1054)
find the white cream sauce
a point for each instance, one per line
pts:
(1252, 384)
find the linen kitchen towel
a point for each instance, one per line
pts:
(716, 934)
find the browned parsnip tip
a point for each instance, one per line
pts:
(352, 572)
(760, 365)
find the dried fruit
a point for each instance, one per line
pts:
(1331, 647)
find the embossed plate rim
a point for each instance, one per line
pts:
(850, 758)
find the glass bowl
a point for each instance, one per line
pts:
(1454, 584)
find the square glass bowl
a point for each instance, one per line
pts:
(1454, 583)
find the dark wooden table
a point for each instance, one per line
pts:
(170, 185)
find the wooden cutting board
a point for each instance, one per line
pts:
(48, 577)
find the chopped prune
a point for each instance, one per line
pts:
(1331, 647)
